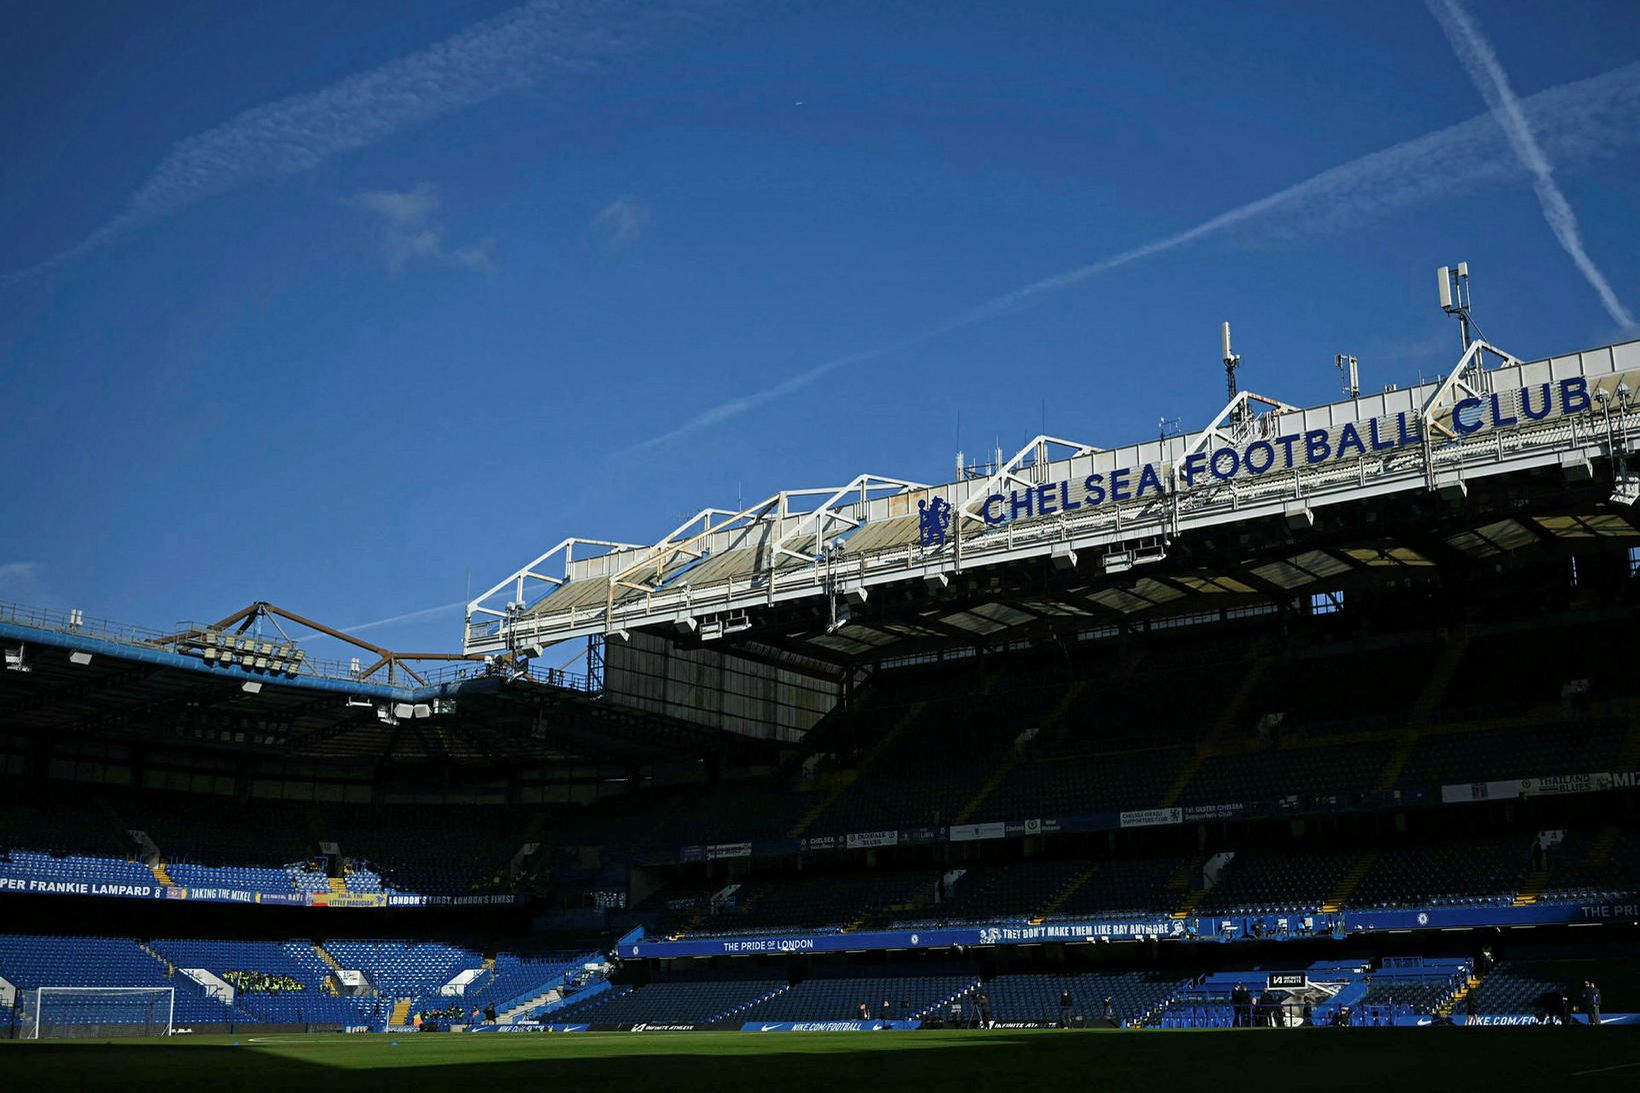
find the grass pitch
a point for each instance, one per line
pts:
(1396, 1060)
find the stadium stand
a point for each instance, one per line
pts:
(31, 962)
(838, 997)
(705, 1002)
(1519, 985)
(1035, 998)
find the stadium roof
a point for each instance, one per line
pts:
(68, 678)
(1266, 502)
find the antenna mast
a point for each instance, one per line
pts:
(1454, 289)
(1231, 363)
(1350, 374)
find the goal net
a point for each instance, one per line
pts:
(69, 1012)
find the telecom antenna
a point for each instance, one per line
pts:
(1350, 374)
(1454, 289)
(1231, 363)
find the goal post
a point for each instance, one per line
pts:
(86, 1012)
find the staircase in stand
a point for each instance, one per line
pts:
(1531, 888)
(1049, 724)
(911, 714)
(1628, 756)
(329, 961)
(1397, 761)
(160, 875)
(1259, 663)
(1065, 894)
(170, 969)
(1352, 879)
(1600, 850)
(1440, 677)
(400, 1014)
(1469, 986)
(1180, 882)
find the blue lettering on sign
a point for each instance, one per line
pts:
(1526, 403)
(1574, 395)
(1469, 416)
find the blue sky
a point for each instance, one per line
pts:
(341, 306)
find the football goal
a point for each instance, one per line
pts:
(74, 1012)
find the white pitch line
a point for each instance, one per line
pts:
(1604, 1069)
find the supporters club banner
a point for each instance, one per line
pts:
(1152, 817)
(1551, 786)
(961, 833)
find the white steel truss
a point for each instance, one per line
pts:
(1466, 380)
(1027, 468)
(649, 586)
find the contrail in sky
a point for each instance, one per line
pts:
(410, 616)
(1581, 120)
(1481, 61)
(513, 50)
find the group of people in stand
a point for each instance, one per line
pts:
(453, 1015)
(264, 982)
(884, 1012)
(1254, 1011)
(1556, 1007)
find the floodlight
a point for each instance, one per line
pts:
(1119, 562)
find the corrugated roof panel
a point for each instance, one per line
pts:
(1052, 607)
(840, 644)
(1472, 544)
(974, 624)
(1120, 600)
(881, 534)
(1320, 563)
(1001, 612)
(572, 595)
(1509, 534)
(729, 565)
(1283, 574)
(1207, 583)
(867, 635)
(910, 631)
(1587, 526)
(1157, 592)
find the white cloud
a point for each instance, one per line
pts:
(24, 582)
(410, 229)
(510, 51)
(622, 221)
(1580, 120)
(1479, 59)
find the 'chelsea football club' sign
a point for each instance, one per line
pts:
(1317, 446)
